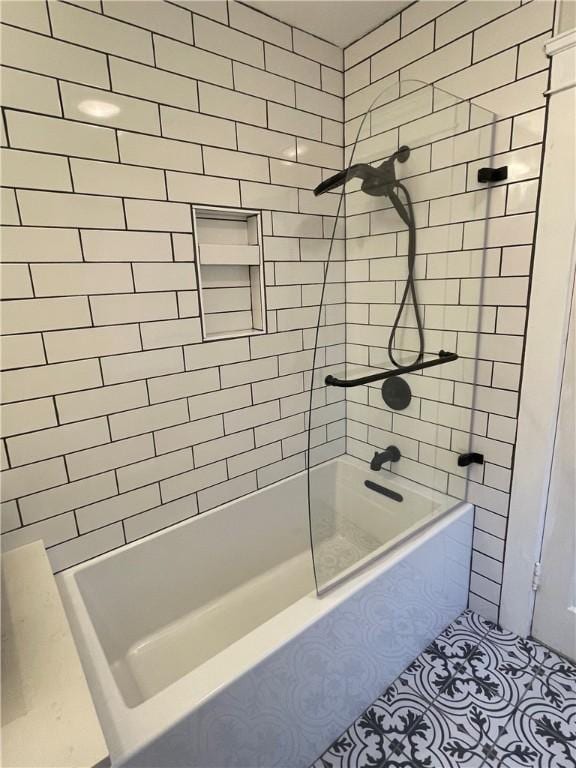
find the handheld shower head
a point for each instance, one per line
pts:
(375, 181)
(381, 181)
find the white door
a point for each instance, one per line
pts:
(554, 621)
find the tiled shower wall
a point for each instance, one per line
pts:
(117, 116)
(118, 420)
(491, 52)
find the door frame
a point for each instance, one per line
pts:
(554, 617)
(546, 339)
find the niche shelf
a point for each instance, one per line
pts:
(230, 270)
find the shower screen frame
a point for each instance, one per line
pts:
(425, 101)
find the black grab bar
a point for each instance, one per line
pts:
(443, 357)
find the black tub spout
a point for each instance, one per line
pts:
(379, 459)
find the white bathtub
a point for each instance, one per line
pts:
(206, 645)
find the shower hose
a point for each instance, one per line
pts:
(406, 213)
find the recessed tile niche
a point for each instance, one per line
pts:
(230, 265)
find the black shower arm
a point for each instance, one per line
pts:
(358, 170)
(443, 357)
(337, 180)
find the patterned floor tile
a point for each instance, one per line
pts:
(555, 681)
(499, 667)
(356, 748)
(526, 742)
(474, 622)
(377, 732)
(477, 685)
(475, 725)
(558, 722)
(478, 697)
(429, 673)
(553, 660)
(518, 653)
(396, 713)
(435, 740)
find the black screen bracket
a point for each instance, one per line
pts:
(490, 175)
(465, 459)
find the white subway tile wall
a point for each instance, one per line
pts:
(117, 117)
(492, 53)
(117, 420)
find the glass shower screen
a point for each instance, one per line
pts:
(402, 290)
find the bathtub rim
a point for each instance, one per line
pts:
(128, 730)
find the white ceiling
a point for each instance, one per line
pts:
(339, 21)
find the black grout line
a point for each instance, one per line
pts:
(138, 62)
(5, 126)
(450, 42)
(345, 341)
(165, 105)
(135, 132)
